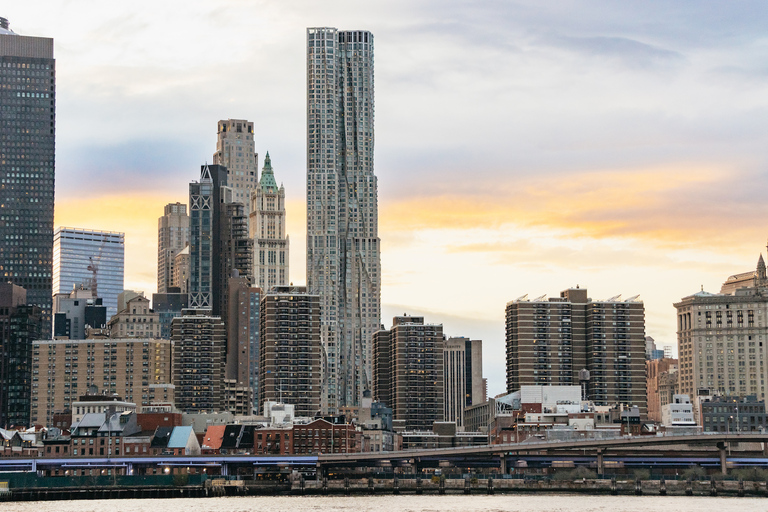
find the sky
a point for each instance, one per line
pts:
(522, 147)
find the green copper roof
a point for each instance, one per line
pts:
(267, 177)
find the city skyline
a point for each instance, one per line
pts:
(530, 150)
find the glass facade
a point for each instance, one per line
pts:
(27, 143)
(94, 259)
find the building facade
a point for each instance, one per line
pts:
(90, 259)
(661, 385)
(243, 337)
(20, 324)
(136, 320)
(290, 350)
(199, 355)
(168, 306)
(137, 369)
(172, 237)
(550, 341)
(343, 259)
(271, 244)
(235, 151)
(723, 337)
(463, 377)
(27, 148)
(733, 414)
(409, 371)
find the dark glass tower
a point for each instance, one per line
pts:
(27, 144)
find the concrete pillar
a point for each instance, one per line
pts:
(503, 464)
(723, 461)
(600, 464)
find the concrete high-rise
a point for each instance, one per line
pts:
(172, 238)
(27, 154)
(199, 355)
(343, 259)
(290, 351)
(243, 336)
(722, 337)
(463, 377)
(550, 341)
(235, 151)
(92, 258)
(137, 369)
(409, 371)
(271, 244)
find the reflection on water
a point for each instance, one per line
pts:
(406, 503)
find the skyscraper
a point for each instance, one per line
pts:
(27, 144)
(235, 151)
(172, 237)
(92, 258)
(343, 260)
(271, 244)
(463, 376)
(204, 197)
(20, 324)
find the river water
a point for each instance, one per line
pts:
(447, 503)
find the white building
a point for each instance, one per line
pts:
(267, 228)
(678, 413)
(343, 260)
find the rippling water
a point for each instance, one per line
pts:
(500, 503)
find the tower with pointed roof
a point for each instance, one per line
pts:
(270, 241)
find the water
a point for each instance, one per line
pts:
(499, 503)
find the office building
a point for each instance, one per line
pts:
(20, 324)
(199, 355)
(172, 238)
(550, 341)
(90, 259)
(408, 371)
(243, 337)
(343, 259)
(168, 306)
(75, 312)
(136, 320)
(290, 350)
(723, 337)
(733, 414)
(27, 154)
(235, 152)
(271, 244)
(139, 370)
(463, 377)
(219, 241)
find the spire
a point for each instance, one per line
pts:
(205, 173)
(267, 181)
(761, 274)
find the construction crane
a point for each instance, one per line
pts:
(93, 267)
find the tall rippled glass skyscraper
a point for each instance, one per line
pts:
(343, 260)
(27, 137)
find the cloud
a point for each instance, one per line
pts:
(665, 207)
(628, 52)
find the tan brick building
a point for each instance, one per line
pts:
(137, 369)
